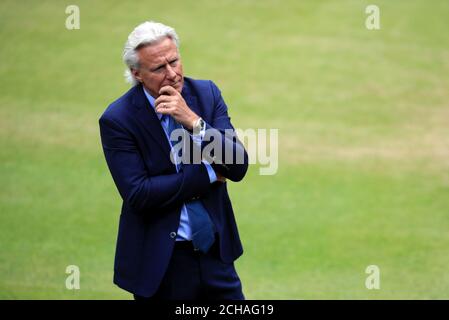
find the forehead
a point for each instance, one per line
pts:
(157, 52)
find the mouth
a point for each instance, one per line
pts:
(176, 84)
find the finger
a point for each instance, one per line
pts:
(163, 107)
(169, 111)
(160, 107)
(168, 90)
(163, 98)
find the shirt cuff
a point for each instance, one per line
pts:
(210, 172)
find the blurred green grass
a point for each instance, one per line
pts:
(363, 142)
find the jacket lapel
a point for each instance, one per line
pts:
(190, 99)
(149, 120)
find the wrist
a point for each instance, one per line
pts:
(198, 125)
(191, 123)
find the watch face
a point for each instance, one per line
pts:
(202, 125)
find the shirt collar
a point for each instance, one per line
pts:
(151, 100)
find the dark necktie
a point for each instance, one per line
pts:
(200, 223)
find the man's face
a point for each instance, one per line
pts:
(160, 65)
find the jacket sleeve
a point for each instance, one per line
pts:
(231, 160)
(133, 182)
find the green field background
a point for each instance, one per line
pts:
(363, 119)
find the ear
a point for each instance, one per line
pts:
(136, 74)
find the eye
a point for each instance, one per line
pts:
(158, 69)
(174, 62)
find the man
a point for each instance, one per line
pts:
(177, 235)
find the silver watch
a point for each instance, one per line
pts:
(199, 126)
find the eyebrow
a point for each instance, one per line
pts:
(163, 64)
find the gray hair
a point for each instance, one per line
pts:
(144, 34)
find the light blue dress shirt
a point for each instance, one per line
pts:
(184, 230)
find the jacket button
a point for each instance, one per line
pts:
(172, 234)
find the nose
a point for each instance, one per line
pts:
(171, 74)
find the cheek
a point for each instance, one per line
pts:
(179, 70)
(154, 81)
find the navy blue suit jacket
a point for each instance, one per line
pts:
(138, 156)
